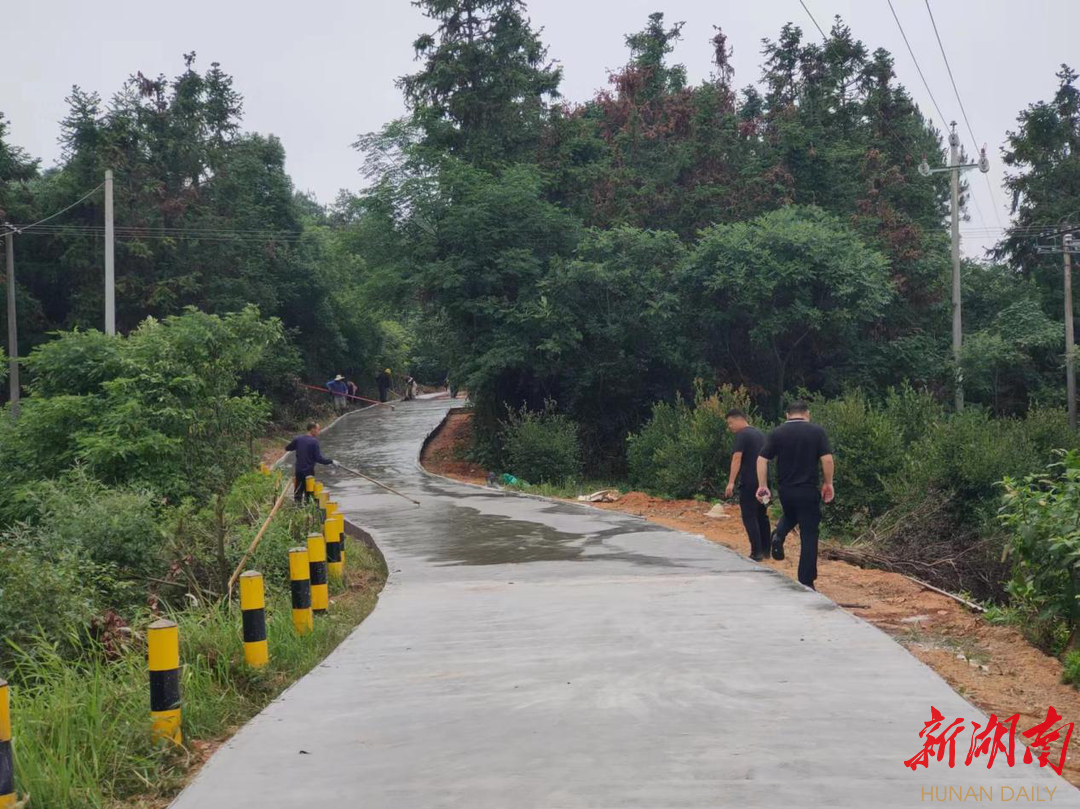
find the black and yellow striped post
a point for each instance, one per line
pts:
(320, 595)
(253, 612)
(309, 484)
(7, 755)
(300, 583)
(163, 657)
(331, 533)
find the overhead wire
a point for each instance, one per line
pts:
(24, 228)
(892, 132)
(926, 84)
(963, 112)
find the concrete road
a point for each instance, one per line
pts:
(532, 654)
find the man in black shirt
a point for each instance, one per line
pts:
(797, 446)
(308, 454)
(755, 518)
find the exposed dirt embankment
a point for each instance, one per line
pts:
(992, 666)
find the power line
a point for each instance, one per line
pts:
(811, 16)
(963, 111)
(892, 132)
(23, 228)
(926, 84)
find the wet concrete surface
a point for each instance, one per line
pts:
(526, 653)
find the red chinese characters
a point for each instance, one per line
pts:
(997, 737)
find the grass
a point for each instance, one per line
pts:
(81, 727)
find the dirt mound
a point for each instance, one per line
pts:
(444, 453)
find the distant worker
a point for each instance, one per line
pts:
(410, 388)
(755, 518)
(350, 388)
(338, 388)
(798, 446)
(383, 381)
(308, 454)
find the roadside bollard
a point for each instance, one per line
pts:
(253, 612)
(300, 583)
(332, 535)
(7, 757)
(320, 596)
(317, 490)
(309, 485)
(264, 469)
(163, 658)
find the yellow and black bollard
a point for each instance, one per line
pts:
(320, 595)
(253, 611)
(163, 657)
(7, 756)
(332, 535)
(309, 485)
(341, 536)
(300, 583)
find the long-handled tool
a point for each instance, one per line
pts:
(377, 483)
(371, 402)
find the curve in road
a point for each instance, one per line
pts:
(529, 653)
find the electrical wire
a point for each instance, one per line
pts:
(23, 228)
(963, 111)
(892, 132)
(926, 84)
(811, 16)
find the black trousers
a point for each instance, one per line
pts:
(802, 507)
(301, 494)
(383, 390)
(755, 519)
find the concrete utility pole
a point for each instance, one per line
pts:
(12, 330)
(1070, 359)
(110, 272)
(957, 331)
(954, 168)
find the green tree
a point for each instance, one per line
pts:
(483, 89)
(786, 299)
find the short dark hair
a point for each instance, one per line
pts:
(735, 413)
(311, 425)
(797, 407)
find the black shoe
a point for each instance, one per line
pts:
(777, 546)
(757, 556)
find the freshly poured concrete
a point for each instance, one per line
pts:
(532, 654)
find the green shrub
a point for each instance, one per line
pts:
(683, 451)
(868, 446)
(965, 457)
(118, 527)
(912, 412)
(50, 597)
(542, 447)
(1041, 512)
(1071, 672)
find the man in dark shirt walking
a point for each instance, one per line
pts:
(755, 518)
(308, 454)
(798, 446)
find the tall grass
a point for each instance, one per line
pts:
(81, 727)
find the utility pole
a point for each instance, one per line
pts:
(1069, 245)
(12, 330)
(110, 271)
(954, 168)
(1070, 359)
(957, 331)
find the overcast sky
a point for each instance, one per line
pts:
(318, 73)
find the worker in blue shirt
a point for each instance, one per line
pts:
(338, 387)
(308, 454)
